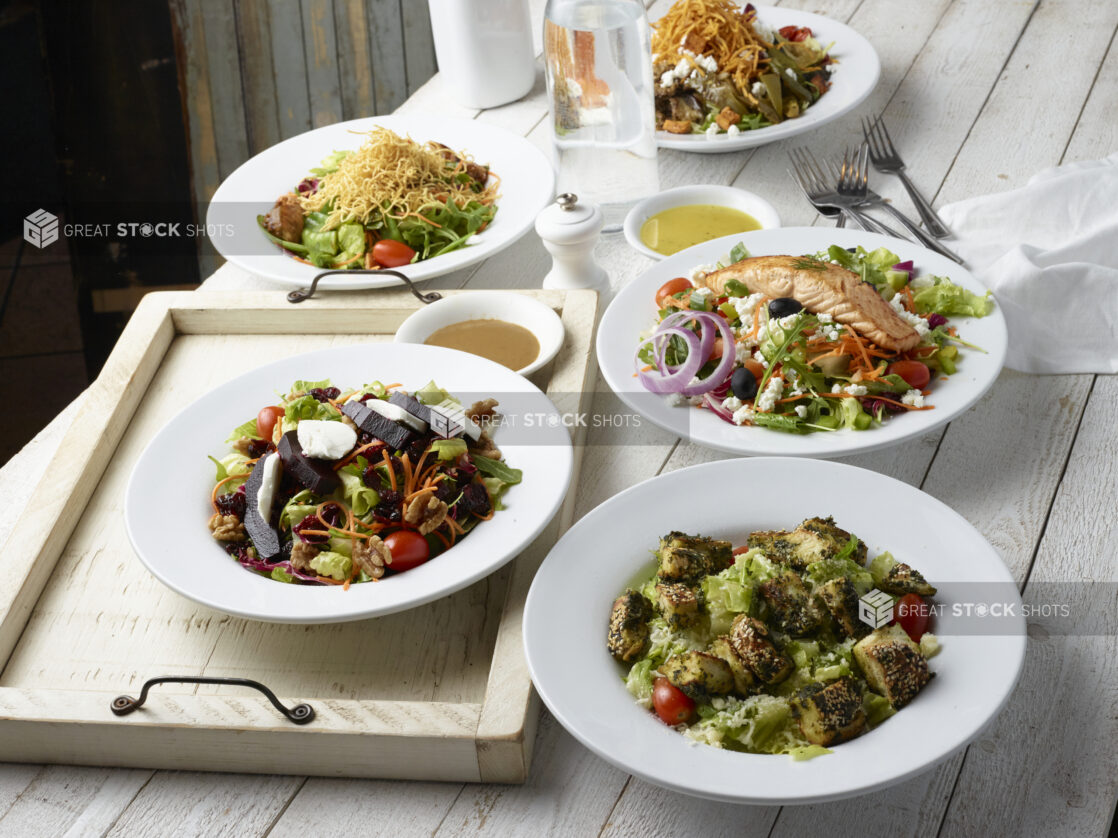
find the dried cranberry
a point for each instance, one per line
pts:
(320, 394)
(936, 320)
(232, 504)
(391, 497)
(388, 513)
(447, 490)
(364, 437)
(257, 448)
(475, 499)
(311, 522)
(416, 448)
(372, 478)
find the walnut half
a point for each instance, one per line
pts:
(372, 556)
(227, 528)
(426, 513)
(301, 555)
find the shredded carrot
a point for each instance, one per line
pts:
(486, 517)
(391, 471)
(408, 474)
(418, 493)
(349, 261)
(357, 453)
(393, 386)
(756, 319)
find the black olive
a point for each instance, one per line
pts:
(783, 306)
(851, 250)
(743, 384)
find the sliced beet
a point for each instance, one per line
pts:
(316, 475)
(259, 527)
(371, 422)
(411, 404)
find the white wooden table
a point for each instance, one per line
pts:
(979, 95)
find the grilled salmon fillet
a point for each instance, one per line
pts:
(823, 288)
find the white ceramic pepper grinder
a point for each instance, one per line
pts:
(569, 231)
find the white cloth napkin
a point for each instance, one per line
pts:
(1049, 252)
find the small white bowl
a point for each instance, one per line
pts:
(682, 196)
(520, 309)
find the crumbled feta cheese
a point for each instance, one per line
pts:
(790, 321)
(707, 62)
(823, 317)
(924, 281)
(695, 401)
(788, 71)
(700, 271)
(855, 389)
(742, 352)
(702, 294)
(836, 388)
(801, 410)
(913, 398)
(760, 359)
(745, 306)
(731, 403)
(773, 391)
(668, 79)
(732, 130)
(758, 89)
(712, 129)
(675, 400)
(917, 322)
(743, 415)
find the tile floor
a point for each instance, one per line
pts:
(42, 366)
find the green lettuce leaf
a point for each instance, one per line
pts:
(334, 565)
(330, 163)
(230, 465)
(947, 298)
(248, 429)
(281, 575)
(496, 468)
(639, 680)
(880, 566)
(805, 752)
(359, 496)
(449, 449)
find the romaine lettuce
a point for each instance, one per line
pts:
(947, 298)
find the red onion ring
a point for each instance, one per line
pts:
(678, 379)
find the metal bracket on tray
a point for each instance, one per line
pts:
(300, 714)
(300, 294)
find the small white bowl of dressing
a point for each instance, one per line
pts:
(514, 330)
(679, 218)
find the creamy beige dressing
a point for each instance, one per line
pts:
(506, 343)
(677, 228)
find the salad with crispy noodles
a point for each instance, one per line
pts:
(389, 203)
(763, 648)
(842, 339)
(720, 71)
(334, 488)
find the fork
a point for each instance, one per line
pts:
(883, 155)
(825, 210)
(853, 181)
(809, 175)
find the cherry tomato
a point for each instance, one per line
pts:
(915, 374)
(912, 614)
(670, 703)
(408, 548)
(672, 286)
(266, 420)
(795, 33)
(390, 253)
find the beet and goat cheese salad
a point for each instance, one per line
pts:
(841, 339)
(769, 648)
(333, 487)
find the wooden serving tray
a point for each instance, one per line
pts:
(440, 692)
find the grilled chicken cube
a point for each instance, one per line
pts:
(679, 604)
(719, 554)
(743, 678)
(814, 540)
(790, 603)
(830, 714)
(752, 642)
(682, 564)
(839, 599)
(628, 626)
(892, 664)
(903, 579)
(699, 675)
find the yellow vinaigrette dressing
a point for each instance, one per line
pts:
(677, 228)
(506, 343)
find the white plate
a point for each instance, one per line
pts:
(853, 79)
(527, 184)
(706, 194)
(633, 312)
(568, 606)
(533, 315)
(167, 502)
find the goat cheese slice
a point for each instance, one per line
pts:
(396, 413)
(269, 483)
(325, 440)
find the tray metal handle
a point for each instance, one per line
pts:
(300, 294)
(122, 705)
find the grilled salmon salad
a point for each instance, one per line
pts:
(788, 644)
(841, 339)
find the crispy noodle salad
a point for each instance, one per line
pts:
(762, 648)
(332, 487)
(719, 71)
(841, 339)
(391, 202)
